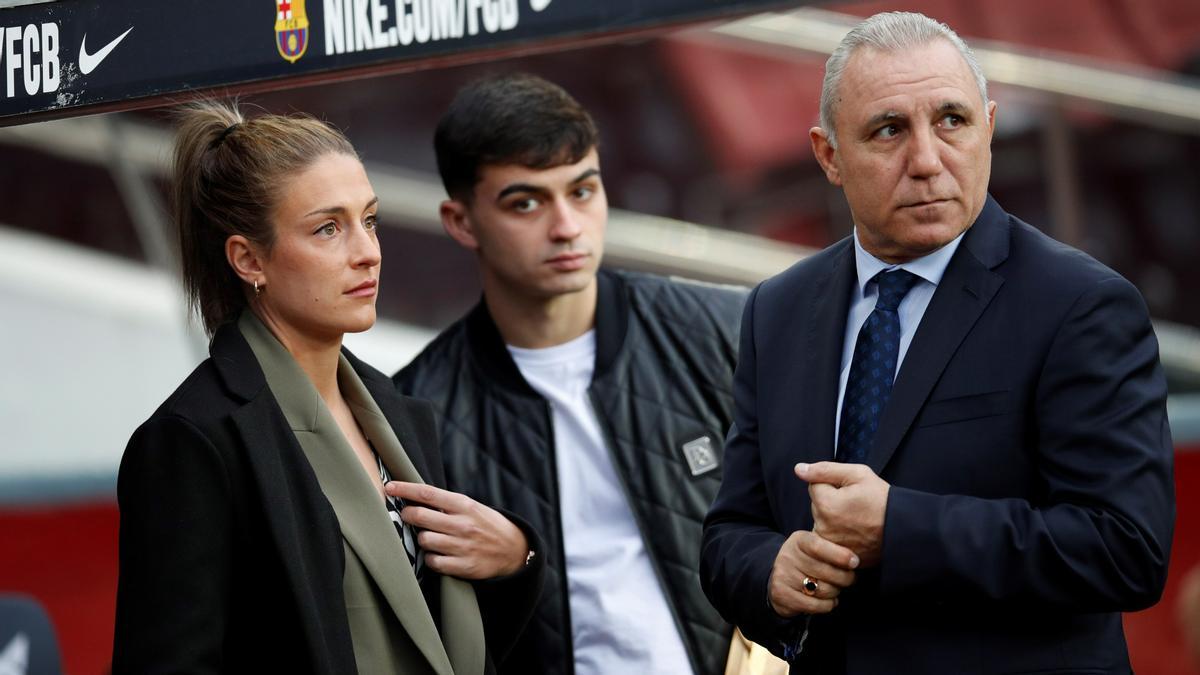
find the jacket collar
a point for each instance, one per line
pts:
(988, 238)
(235, 363)
(301, 523)
(400, 412)
(350, 490)
(295, 394)
(488, 350)
(242, 375)
(966, 290)
(313, 561)
(823, 325)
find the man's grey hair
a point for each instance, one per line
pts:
(888, 32)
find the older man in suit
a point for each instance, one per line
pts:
(950, 451)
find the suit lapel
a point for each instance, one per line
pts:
(394, 415)
(462, 639)
(301, 524)
(371, 534)
(828, 307)
(364, 522)
(965, 291)
(361, 517)
(393, 442)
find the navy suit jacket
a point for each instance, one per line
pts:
(1026, 443)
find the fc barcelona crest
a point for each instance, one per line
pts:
(291, 29)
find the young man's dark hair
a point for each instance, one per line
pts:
(514, 119)
(590, 402)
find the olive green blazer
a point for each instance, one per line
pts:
(391, 625)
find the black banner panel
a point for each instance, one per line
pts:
(70, 57)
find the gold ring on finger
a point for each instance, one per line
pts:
(810, 586)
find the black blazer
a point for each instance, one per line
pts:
(1027, 446)
(231, 558)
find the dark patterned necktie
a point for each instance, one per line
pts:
(873, 368)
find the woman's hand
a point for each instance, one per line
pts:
(461, 537)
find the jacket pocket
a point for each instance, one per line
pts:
(961, 408)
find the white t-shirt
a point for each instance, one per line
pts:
(620, 620)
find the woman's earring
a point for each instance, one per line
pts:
(257, 290)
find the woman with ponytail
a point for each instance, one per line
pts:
(280, 512)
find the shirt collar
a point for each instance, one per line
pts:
(929, 267)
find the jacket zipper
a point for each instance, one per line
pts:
(609, 443)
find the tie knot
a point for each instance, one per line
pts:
(893, 286)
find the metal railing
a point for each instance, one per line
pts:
(1145, 95)
(410, 200)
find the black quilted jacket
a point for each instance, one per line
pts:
(665, 355)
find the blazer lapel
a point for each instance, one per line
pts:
(302, 525)
(369, 531)
(394, 415)
(965, 291)
(828, 306)
(462, 638)
(385, 436)
(798, 388)
(361, 516)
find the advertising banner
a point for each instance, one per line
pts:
(70, 57)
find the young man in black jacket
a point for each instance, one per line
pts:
(592, 403)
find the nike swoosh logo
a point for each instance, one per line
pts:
(539, 5)
(88, 62)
